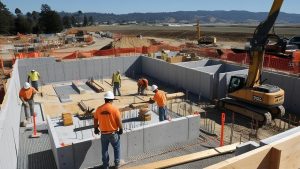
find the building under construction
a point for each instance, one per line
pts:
(196, 135)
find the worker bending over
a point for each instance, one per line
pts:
(108, 118)
(116, 82)
(34, 77)
(142, 85)
(26, 95)
(161, 101)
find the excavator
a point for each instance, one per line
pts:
(247, 95)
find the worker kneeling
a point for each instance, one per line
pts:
(142, 85)
(26, 95)
(161, 100)
(107, 118)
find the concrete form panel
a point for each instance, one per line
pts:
(83, 69)
(90, 68)
(87, 153)
(135, 140)
(106, 71)
(98, 69)
(165, 134)
(194, 126)
(59, 72)
(65, 157)
(50, 73)
(210, 69)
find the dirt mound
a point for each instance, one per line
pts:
(132, 42)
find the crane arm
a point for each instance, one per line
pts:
(258, 44)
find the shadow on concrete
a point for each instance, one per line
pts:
(43, 159)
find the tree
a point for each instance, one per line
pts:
(6, 20)
(22, 25)
(85, 21)
(66, 21)
(91, 20)
(73, 20)
(50, 21)
(18, 11)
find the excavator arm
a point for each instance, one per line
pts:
(258, 44)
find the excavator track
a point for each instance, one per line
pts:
(262, 115)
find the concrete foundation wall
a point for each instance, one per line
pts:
(52, 71)
(186, 78)
(10, 122)
(87, 153)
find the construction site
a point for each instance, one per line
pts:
(226, 106)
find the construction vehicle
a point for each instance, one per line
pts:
(204, 40)
(248, 95)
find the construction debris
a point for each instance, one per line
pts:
(94, 85)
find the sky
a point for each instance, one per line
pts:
(129, 6)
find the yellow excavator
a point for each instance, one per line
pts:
(247, 94)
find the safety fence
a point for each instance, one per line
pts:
(289, 65)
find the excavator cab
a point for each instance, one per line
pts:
(236, 82)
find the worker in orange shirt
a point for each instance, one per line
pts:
(107, 118)
(161, 101)
(142, 85)
(26, 95)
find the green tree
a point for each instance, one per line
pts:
(50, 21)
(73, 20)
(85, 21)
(91, 20)
(66, 21)
(22, 23)
(6, 20)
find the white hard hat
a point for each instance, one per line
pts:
(109, 95)
(33, 70)
(153, 87)
(26, 85)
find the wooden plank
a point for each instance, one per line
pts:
(285, 150)
(188, 158)
(249, 160)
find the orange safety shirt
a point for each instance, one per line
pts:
(108, 116)
(160, 98)
(26, 94)
(143, 82)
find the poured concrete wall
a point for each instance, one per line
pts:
(10, 122)
(87, 153)
(178, 76)
(52, 71)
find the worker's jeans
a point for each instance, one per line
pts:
(141, 90)
(35, 85)
(114, 140)
(31, 108)
(162, 113)
(117, 88)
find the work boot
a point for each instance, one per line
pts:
(23, 123)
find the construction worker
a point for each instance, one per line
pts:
(107, 118)
(26, 95)
(116, 82)
(161, 101)
(142, 85)
(34, 77)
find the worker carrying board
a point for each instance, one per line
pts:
(161, 101)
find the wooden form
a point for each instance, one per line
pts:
(95, 86)
(281, 154)
(189, 158)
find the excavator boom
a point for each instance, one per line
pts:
(258, 44)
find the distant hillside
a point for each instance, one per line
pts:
(230, 17)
